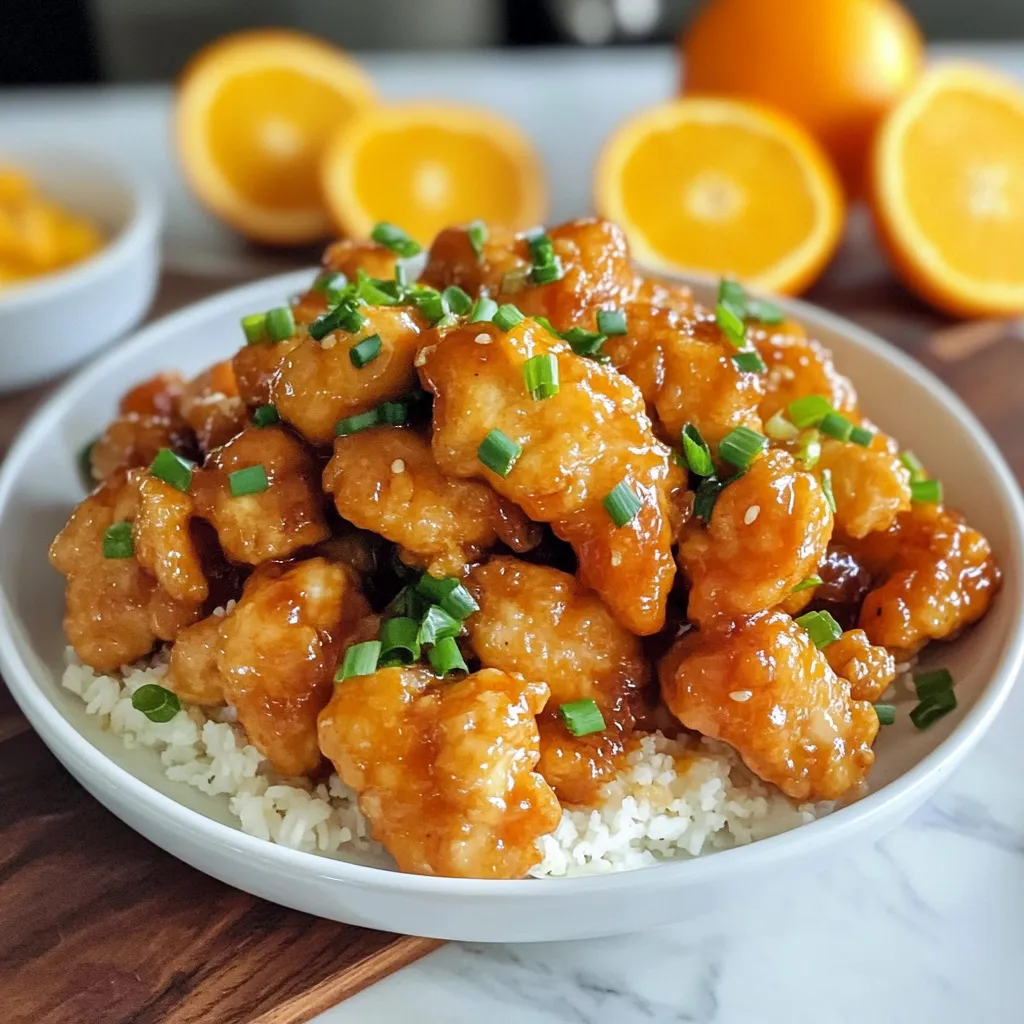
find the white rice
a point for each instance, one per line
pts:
(675, 798)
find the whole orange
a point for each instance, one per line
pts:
(834, 65)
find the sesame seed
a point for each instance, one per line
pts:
(751, 514)
(741, 696)
(398, 466)
(421, 358)
(482, 339)
(329, 342)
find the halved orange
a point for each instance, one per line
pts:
(254, 112)
(948, 191)
(722, 187)
(426, 166)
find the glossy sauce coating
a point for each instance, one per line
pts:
(211, 405)
(133, 439)
(445, 771)
(868, 669)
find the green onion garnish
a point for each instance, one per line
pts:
(445, 658)
(407, 602)
(826, 486)
(374, 292)
(820, 627)
(251, 480)
(586, 343)
(928, 684)
(862, 436)
(810, 449)
(547, 267)
(483, 310)
(365, 351)
(394, 414)
(332, 286)
(611, 321)
(156, 703)
(360, 660)
(731, 324)
(395, 239)
(541, 375)
(508, 316)
(750, 361)
(696, 452)
(705, 497)
(449, 593)
(458, 301)
(343, 317)
(172, 469)
(836, 425)
(809, 411)
(546, 324)
(582, 717)
(622, 504)
(764, 311)
(477, 234)
(778, 428)
(429, 301)
(280, 323)
(117, 540)
(807, 583)
(886, 713)
(266, 415)
(928, 491)
(436, 625)
(498, 452)
(401, 280)
(353, 424)
(913, 465)
(255, 327)
(937, 706)
(741, 446)
(398, 640)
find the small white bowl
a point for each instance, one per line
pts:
(53, 322)
(39, 485)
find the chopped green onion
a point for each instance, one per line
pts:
(251, 480)
(546, 324)
(394, 414)
(810, 449)
(401, 277)
(548, 273)
(448, 320)
(807, 583)
(750, 361)
(820, 627)
(928, 684)
(541, 375)
(586, 343)
(935, 707)
(508, 316)
(408, 602)
(398, 640)
(913, 465)
(332, 286)
(809, 411)
(353, 424)
(483, 310)
(498, 452)
(343, 317)
(741, 446)
(360, 660)
(374, 292)
(449, 593)
(266, 416)
(156, 703)
(445, 658)
(582, 717)
(705, 497)
(365, 351)
(862, 436)
(117, 540)
(732, 294)
(836, 425)
(547, 267)
(515, 280)
(826, 486)
(927, 491)
(395, 239)
(764, 311)
(437, 624)
(429, 301)
(886, 713)
(255, 327)
(172, 469)
(622, 504)
(731, 324)
(611, 321)
(458, 301)
(696, 452)
(280, 323)
(778, 428)
(477, 234)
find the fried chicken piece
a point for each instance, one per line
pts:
(577, 447)
(386, 480)
(132, 440)
(544, 624)
(273, 657)
(764, 688)
(868, 669)
(257, 368)
(270, 524)
(115, 609)
(935, 575)
(211, 406)
(347, 256)
(157, 396)
(318, 384)
(444, 771)
(768, 531)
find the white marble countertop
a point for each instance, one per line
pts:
(926, 926)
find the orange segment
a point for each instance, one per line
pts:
(722, 187)
(948, 191)
(428, 166)
(254, 113)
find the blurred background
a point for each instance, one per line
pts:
(150, 40)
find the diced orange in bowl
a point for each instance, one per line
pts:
(948, 191)
(254, 113)
(722, 187)
(427, 166)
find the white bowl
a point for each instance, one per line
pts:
(39, 484)
(51, 323)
